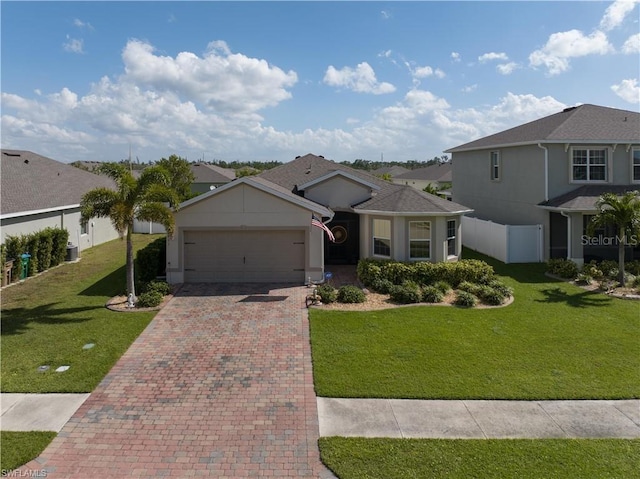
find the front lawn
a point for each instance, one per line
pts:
(18, 448)
(359, 458)
(48, 319)
(556, 341)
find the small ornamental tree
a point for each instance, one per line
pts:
(623, 214)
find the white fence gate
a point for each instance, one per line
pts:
(147, 227)
(507, 243)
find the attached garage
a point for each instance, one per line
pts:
(244, 256)
(249, 230)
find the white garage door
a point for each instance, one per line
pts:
(244, 256)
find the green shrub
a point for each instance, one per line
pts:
(369, 271)
(406, 293)
(489, 295)
(584, 279)
(465, 299)
(397, 272)
(45, 245)
(442, 286)
(382, 286)
(15, 247)
(33, 247)
(151, 260)
(565, 268)
(59, 241)
(633, 267)
(161, 287)
(609, 269)
(432, 294)
(150, 299)
(351, 294)
(469, 287)
(327, 293)
(502, 288)
(591, 269)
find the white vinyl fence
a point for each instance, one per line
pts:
(146, 227)
(507, 243)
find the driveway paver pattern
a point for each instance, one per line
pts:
(219, 384)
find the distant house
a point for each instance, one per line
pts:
(390, 170)
(38, 192)
(436, 175)
(260, 228)
(208, 177)
(550, 172)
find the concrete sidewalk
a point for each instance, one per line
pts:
(400, 418)
(38, 412)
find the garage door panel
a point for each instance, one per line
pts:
(242, 256)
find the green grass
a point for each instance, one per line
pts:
(48, 319)
(359, 458)
(556, 341)
(18, 448)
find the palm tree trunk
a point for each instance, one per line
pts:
(131, 285)
(621, 245)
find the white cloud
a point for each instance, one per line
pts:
(628, 90)
(507, 68)
(385, 14)
(426, 71)
(80, 24)
(632, 45)
(487, 57)
(385, 54)
(615, 14)
(73, 45)
(563, 46)
(361, 79)
(470, 88)
(455, 56)
(220, 80)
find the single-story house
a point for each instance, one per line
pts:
(208, 177)
(39, 192)
(436, 175)
(263, 228)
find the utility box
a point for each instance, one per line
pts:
(25, 265)
(72, 253)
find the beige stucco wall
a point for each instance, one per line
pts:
(338, 192)
(100, 230)
(244, 207)
(400, 236)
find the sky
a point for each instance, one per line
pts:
(268, 81)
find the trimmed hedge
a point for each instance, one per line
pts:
(372, 271)
(565, 268)
(327, 293)
(351, 294)
(408, 292)
(151, 261)
(48, 248)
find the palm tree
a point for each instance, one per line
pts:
(623, 214)
(143, 199)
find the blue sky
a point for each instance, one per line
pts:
(273, 80)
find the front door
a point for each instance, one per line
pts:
(346, 249)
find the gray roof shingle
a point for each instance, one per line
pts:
(211, 173)
(584, 197)
(584, 123)
(33, 182)
(439, 172)
(389, 198)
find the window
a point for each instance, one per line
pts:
(589, 165)
(382, 237)
(419, 239)
(635, 165)
(451, 238)
(495, 165)
(84, 227)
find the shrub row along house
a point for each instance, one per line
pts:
(263, 228)
(551, 172)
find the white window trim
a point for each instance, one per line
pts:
(607, 165)
(86, 228)
(633, 148)
(454, 237)
(498, 165)
(374, 237)
(420, 258)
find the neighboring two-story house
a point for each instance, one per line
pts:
(269, 227)
(551, 172)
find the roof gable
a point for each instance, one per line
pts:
(32, 182)
(338, 173)
(401, 199)
(584, 123)
(205, 173)
(437, 172)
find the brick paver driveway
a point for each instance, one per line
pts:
(219, 384)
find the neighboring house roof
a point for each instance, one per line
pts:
(440, 172)
(389, 197)
(580, 124)
(263, 185)
(204, 173)
(34, 183)
(391, 170)
(584, 198)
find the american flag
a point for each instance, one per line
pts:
(315, 221)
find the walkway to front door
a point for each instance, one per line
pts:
(220, 384)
